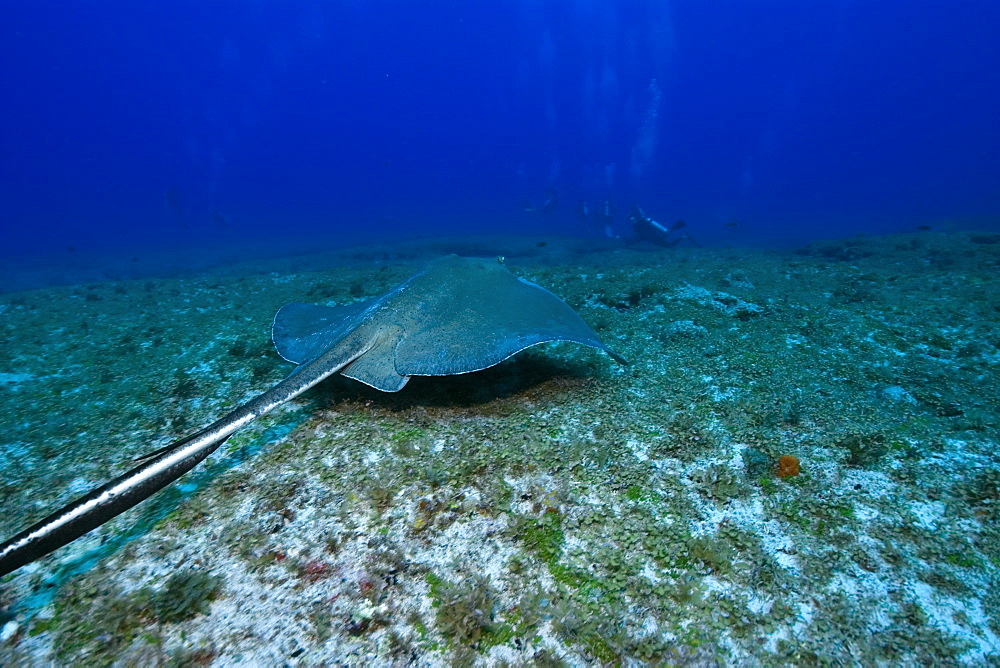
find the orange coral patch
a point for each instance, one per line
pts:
(788, 466)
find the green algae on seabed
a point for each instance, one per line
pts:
(556, 508)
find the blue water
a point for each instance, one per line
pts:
(179, 125)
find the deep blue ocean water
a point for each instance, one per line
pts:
(183, 125)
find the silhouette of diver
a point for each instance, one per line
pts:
(648, 230)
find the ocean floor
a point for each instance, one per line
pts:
(557, 509)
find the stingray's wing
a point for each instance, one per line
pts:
(303, 332)
(485, 315)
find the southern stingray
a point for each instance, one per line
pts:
(458, 315)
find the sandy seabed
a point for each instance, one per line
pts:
(557, 509)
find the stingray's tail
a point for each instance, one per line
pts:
(160, 468)
(101, 504)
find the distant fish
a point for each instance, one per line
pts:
(924, 228)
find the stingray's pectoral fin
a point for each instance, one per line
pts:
(303, 332)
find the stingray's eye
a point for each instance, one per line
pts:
(500, 259)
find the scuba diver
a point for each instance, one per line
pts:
(603, 216)
(608, 218)
(648, 230)
(583, 212)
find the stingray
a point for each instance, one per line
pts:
(459, 315)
